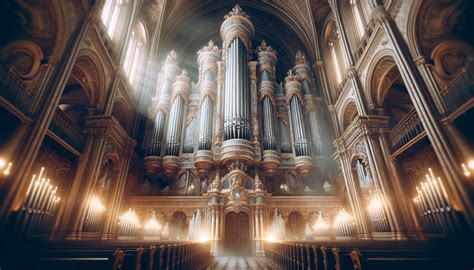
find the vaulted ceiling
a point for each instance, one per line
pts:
(287, 26)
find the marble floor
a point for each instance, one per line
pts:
(237, 262)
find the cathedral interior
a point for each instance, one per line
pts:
(269, 134)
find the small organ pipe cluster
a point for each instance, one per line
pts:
(377, 215)
(344, 224)
(433, 206)
(94, 215)
(129, 224)
(40, 206)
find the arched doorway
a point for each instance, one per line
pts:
(237, 234)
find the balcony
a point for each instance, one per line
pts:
(67, 130)
(460, 91)
(408, 131)
(13, 90)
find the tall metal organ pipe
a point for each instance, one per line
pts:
(237, 31)
(293, 89)
(208, 57)
(205, 124)
(266, 61)
(237, 93)
(181, 91)
(268, 125)
(303, 71)
(169, 71)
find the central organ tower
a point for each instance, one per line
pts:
(237, 138)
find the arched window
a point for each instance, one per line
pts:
(135, 55)
(359, 21)
(110, 15)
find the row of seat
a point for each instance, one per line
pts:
(165, 256)
(295, 256)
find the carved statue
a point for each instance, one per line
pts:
(355, 256)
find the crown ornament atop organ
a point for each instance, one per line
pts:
(230, 114)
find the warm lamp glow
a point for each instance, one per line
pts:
(96, 205)
(270, 238)
(344, 223)
(129, 223)
(152, 224)
(5, 166)
(470, 164)
(321, 224)
(130, 217)
(203, 238)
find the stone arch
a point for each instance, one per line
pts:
(89, 70)
(123, 113)
(295, 225)
(178, 226)
(387, 90)
(347, 114)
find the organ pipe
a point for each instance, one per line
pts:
(161, 104)
(236, 31)
(157, 135)
(303, 71)
(266, 60)
(205, 124)
(208, 57)
(293, 89)
(175, 124)
(181, 89)
(268, 123)
(237, 94)
(299, 133)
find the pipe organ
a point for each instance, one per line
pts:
(227, 114)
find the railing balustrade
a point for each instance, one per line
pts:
(405, 131)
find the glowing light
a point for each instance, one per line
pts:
(321, 227)
(375, 203)
(203, 238)
(470, 164)
(270, 238)
(344, 223)
(5, 166)
(129, 223)
(152, 228)
(96, 205)
(432, 199)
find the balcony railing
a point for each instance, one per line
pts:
(67, 130)
(405, 131)
(461, 89)
(13, 90)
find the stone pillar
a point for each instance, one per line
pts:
(363, 230)
(26, 155)
(457, 185)
(111, 220)
(386, 184)
(84, 181)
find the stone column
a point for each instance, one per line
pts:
(457, 185)
(85, 179)
(26, 155)
(111, 220)
(358, 208)
(386, 184)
